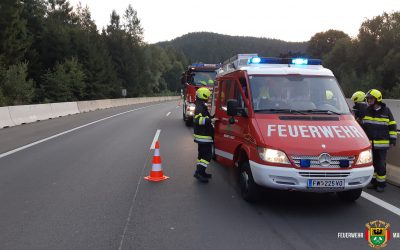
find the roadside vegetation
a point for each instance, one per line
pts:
(53, 52)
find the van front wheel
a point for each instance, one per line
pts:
(248, 188)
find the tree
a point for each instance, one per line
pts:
(65, 83)
(2, 99)
(34, 12)
(102, 80)
(84, 18)
(379, 47)
(114, 23)
(14, 38)
(323, 42)
(132, 25)
(16, 87)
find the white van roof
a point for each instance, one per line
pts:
(255, 65)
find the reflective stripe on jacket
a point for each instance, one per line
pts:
(380, 127)
(203, 130)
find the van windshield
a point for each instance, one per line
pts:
(308, 94)
(199, 78)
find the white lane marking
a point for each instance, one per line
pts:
(128, 219)
(153, 144)
(168, 113)
(66, 132)
(381, 203)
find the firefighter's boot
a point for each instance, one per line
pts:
(207, 175)
(199, 174)
(380, 189)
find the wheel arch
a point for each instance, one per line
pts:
(241, 155)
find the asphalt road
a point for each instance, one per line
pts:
(85, 190)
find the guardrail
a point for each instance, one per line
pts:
(22, 114)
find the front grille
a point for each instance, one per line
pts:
(314, 162)
(324, 174)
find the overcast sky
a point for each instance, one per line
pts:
(289, 20)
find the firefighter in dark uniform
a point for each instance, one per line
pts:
(203, 134)
(380, 127)
(359, 105)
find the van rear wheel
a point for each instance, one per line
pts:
(248, 188)
(189, 122)
(350, 195)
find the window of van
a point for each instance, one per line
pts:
(299, 93)
(229, 90)
(206, 77)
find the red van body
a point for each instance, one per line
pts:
(286, 125)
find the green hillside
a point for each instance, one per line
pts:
(213, 48)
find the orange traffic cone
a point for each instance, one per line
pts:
(156, 173)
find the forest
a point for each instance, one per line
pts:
(51, 51)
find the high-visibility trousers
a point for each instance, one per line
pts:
(379, 161)
(204, 154)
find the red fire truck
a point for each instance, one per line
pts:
(285, 124)
(197, 75)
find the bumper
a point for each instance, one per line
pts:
(295, 179)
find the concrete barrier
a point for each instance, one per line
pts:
(104, 104)
(40, 112)
(393, 174)
(86, 106)
(16, 115)
(393, 163)
(5, 118)
(394, 106)
(21, 114)
(64, 108)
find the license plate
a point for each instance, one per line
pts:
(323, 183)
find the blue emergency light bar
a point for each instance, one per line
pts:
(218, 65)
(197, 65)
(292, 61)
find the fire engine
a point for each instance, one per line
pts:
(197, 75)
(285, 124)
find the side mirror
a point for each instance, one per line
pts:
(232, 107)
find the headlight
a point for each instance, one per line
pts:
(272, 155)
(191, 107)
(364, 157)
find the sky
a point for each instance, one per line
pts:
(287, 20)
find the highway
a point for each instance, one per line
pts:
(83, 188)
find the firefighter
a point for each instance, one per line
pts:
(263, 97)
(203, 134)
(328, 95)
(359, 105)
(380, 127)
